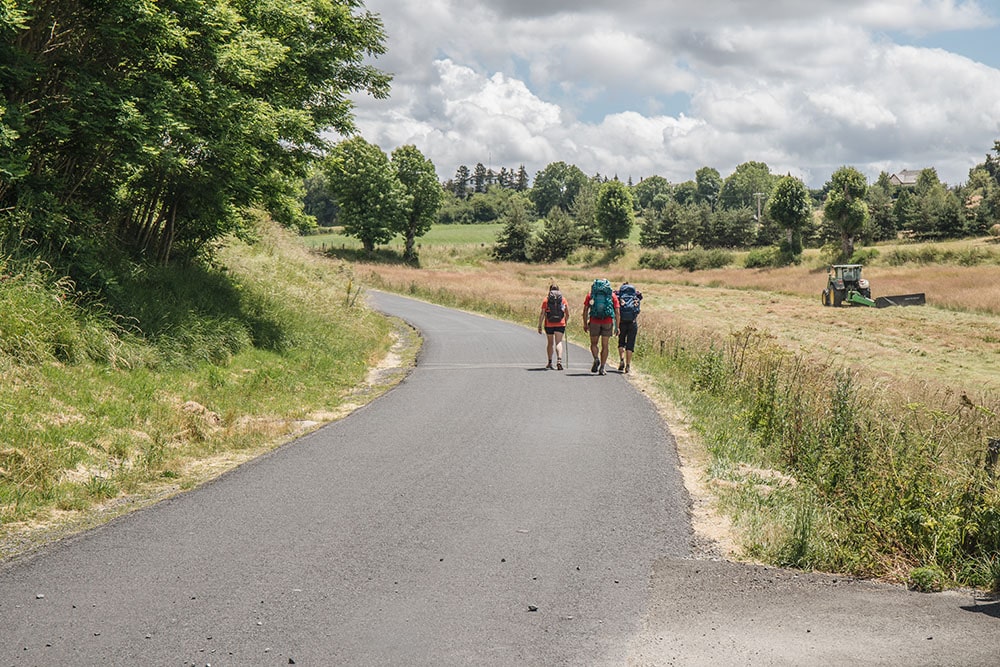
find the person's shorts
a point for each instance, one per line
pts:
(602, 329)
(552, 330)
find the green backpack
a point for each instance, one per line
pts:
(601, 303)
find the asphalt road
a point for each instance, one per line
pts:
(484, 512)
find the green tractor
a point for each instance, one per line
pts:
(844, 285)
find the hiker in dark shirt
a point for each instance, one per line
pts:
(628, 300)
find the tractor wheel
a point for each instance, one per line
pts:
(826, 297)
(838, 298)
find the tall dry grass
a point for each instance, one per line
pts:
(879, 418)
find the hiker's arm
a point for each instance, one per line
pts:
(586, 320)
(541, 320)
(618, 317)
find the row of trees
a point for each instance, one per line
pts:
(378, 197)
(145, 128)
(753, 207)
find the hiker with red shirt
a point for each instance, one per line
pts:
(555, 309)
(601, 315)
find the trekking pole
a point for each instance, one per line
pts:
(566, 347)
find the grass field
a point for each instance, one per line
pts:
(879, 418)
(219, 365)
(439, 235)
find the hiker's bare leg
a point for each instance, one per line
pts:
(559, 345)
(593, 345)
(604, 349)
(548, 345)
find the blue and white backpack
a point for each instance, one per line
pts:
(628, 302)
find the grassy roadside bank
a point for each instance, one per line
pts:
(180, 375)
(846, 440)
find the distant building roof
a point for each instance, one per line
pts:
(905, 177)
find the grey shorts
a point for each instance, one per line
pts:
(602, 329)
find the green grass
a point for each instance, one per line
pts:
(439, 235)
(175, 368)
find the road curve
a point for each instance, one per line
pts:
(484, 512)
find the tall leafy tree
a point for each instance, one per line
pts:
(583, 211)
(371, 198)
(148, 126)
(708, 182)
(749, 185)
(418, 177)
(645, 191)
(791, 208)
(845, 209)
(556, 185)
(615, 212)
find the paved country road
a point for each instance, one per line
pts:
(484, 512)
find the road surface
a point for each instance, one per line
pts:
(484, 512)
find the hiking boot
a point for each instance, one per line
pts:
(597, 364)
(559, 365)
(628, 368)
(621, 365)
(602, 371)
(548, 366)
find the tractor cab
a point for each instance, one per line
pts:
(846, 275)
(844, 284)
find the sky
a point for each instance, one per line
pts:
(665, 87)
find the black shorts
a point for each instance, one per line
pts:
(627, 332)
(552, 330)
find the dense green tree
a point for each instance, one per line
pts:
(149, 126)
(461, 183)
(317, 200)
(454, 211)
(645, 191)
(371, 198)
(583, 211)
(514, 241)
(693, 223)
(480, 178)
(882, 223)
(521, 180)
(418, 177)
(789, 206)
(904, 210)
(845, 209)
(556, 185)
(557, 238)
(734, 227)
(981, 196)
(709, 185)
(749, 185)
(615, 212)
(686, 193)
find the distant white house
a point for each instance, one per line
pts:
(905, 177)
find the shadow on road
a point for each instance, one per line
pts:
(990, 608)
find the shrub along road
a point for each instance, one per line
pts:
(483, 512)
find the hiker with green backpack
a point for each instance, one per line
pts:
(601, 316)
